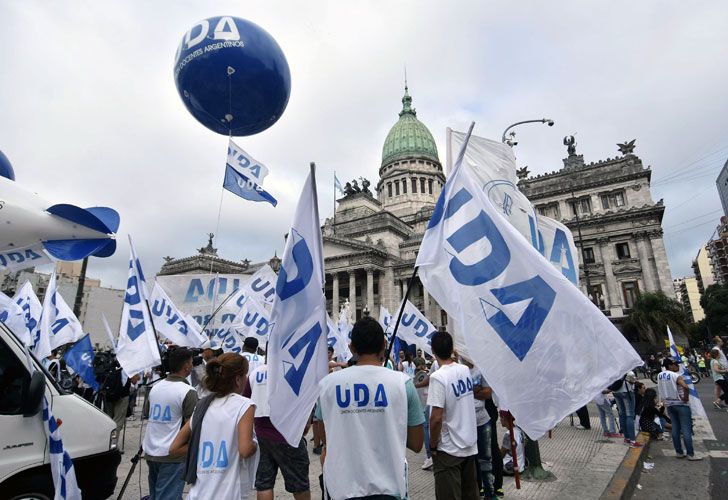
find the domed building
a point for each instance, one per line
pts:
(370, 244)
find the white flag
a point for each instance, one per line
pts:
(171, 322)
(252, 321)
(107, 329)
(542, 346)
(57, 322)
(245, 164)
(23, 258)
(338, 339)
(297, 351)
(136, 349)
(39, 344)
(12, 315)
(415, 328)
(556, 243)
(696, 406)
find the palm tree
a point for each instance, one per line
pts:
(653, 312)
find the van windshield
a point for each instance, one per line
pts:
(9, 359)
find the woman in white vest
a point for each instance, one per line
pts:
(218, 439)
(370, 413)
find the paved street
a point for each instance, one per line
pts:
(582, 461)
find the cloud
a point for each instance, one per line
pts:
(91, 114)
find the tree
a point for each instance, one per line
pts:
(715, 304)
(653, 312)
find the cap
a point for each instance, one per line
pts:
(250, 343)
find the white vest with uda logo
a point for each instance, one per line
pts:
(668, 389)
(458, 436)
(258, 381)
(364, 409)
(254, 361)
(221, 473)
(165, 416)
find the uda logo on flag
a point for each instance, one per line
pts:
(480, 231)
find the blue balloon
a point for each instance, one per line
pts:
(232, 76)
(6, 169)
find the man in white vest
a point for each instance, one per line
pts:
(370, 413)
(453, 436)
(250, 352)
(673, 390)
(170, 404)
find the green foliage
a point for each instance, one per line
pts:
(653, 312)
(715, 305)
(697, 333)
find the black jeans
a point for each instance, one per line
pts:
(583, 414)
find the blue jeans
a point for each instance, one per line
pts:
(427, 432)
(682, 423)
(165, 480)
(485, 461)
(625, 405)
(606, 417)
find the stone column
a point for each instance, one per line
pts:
(387, 300)
(370, 291)
(404, 289)
(663, 280)
(614, 295)
(335, 299)
(647, 274)
(352, 292)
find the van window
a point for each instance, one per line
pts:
(14, 381)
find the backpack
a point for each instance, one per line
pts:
(615, 386)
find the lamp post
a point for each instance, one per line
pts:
(511, 142)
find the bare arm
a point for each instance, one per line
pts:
(435, 426)
(181, 442)
(415, 437)
(246, 445)
(686, 390)
(482, 393)
(424, 383)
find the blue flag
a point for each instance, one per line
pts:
(80, 358)
(238, 184)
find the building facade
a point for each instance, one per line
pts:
(616, 224)
(722, 184)
(371, 243)
(703, 270)
(718, 252)
(688, 293)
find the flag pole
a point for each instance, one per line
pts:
(312, 166)
(334, 202)
(399, 315)
(516, 472)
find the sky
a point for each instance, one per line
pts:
(91, 115)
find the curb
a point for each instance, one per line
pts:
(625, 479)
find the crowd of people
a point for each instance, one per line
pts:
(209, 425)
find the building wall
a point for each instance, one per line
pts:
(690, 298)
(722, 184)
(703, 270)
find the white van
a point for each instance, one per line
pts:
(89, 436)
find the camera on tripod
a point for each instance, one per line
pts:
(196, 357)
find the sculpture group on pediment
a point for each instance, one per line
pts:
(352, 187)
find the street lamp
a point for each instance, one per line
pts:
(511, 142)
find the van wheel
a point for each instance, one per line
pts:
(36, 487)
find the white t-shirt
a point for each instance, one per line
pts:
(221, 473)
(421, 391)
(258, 380)
(481, 414)
(165, 416)
(508, 458)
(451, 388)
(668, 389)
(408, 367)
(364, 409)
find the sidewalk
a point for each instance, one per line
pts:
(582, 461)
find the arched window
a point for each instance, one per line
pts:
(429, 183)
(396, 188)
(389, 189)
(414, 184)
(422, 185)
(404, 186)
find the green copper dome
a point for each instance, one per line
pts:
(408, 137)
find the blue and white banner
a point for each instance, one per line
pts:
(525, 320)
(556, 243)
(696, 406)
(253, 320)
(338, 338)
(414, 328)
(245, 164)
(80, 358)
(238, 184)
(23, 258)
(297, 350)
(171, 322)
(64, 475)
(136, 348)
(227, 339)
(12, 315)
(337, 185)
(38, 344)
(57, 322)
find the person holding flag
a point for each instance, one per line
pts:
(80, 358)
